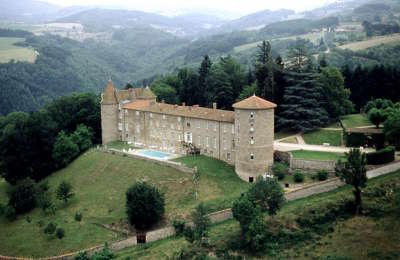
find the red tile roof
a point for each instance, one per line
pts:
(254, 102)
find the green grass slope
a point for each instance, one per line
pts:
(100, 181)
(9, 51)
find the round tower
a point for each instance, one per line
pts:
(254, 138)
(109, 114)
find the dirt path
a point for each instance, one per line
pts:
(284, 147)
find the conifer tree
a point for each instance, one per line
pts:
(264, 72)
(203, 88)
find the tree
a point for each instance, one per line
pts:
(60, 233)
(264, 72)
(22, 197)
(65, 150)
(377, 116)
(201, 222)
(50, 228)
(64, 191)
(164, 92)
(354, 172)
(82, 137)
(203, 88)
(144, 205)
(235, 73)
(336, 97)
(222, 91)
(248, 91)
(392, 129)
(268, 194)
(244, 211)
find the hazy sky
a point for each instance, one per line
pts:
(233, 6)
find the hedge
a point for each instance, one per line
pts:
(355, 139)
(382, 156)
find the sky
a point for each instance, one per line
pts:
(238, 7)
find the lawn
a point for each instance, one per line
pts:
(319, 137)
(320, 156)
(355, 120)
(100, 181)
(9, 51)
(119, 145)
(378, 238)
(283, 134)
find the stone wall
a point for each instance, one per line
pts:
(282, 157)
(314, 165)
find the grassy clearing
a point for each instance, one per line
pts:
(119, 145)
(100, 181)
(372, 42)
(355, 120)
(9, 51)
(283, 134)
(378, 238)
(320, 156)
(319, 137)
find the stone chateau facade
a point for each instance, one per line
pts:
(243, 137)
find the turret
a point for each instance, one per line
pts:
(254, 124)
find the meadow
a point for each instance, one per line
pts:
(9, 51)
(372, 42)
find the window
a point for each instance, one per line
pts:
(207, 142)
(207, 125)
(251, 156)
(224, 128)
(199, 140)
(252, 140)
(126, 111)
(188, 124)
(251, 179)
(233, 129)
(138, 129)
(252, 115)
(137, 113)
(251, 129)
(215, 126)
(179, 138)
(198, 124)
(179, 119)
(120, 115)
(224, 143)
(228, 156)
(120, 126)
(119, 106)
(126, 127)
(215, 143)
(151, 115)
(164, 117)
(188, 137)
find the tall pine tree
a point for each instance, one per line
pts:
(302, 108)
(264, 71)
(203, 86)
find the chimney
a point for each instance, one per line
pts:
(163, 101)
(215, 106)
(183, 104)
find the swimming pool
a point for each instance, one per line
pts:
(154, 154)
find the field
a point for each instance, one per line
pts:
(100, 181)
(358, 237)
(320, 156)
(314, 37)
(319, 137)
(372, 42)
(355, 120)
(8, 51)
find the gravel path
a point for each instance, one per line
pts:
(284, 147)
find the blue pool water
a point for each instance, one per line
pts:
(154, 154)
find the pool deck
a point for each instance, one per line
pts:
(139, 152)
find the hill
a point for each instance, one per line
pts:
(100, 181)
(26, 10)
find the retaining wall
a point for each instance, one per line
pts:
(313, 165)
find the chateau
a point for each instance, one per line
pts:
(243, 138)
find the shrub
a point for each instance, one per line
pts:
(322, 175)
(45, 203)
(201, 222)
(60, 233)
(64, 191)
(280, 170)
(179, 226)
(1, 209)
(144, 205)
(104, 254)
(355, 139)
(78, 216)
(298, 177)
(22, 196)
(50, 228)
(383, 156)
(82, 256)
(10, 213)
(82, 137)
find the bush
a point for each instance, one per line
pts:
(322, 175)
(383, 156)
(64, 191)
(104, 254)
(82, 256)
(50, 228)
(280, 170)
(10, 213)
(82, 137)
(23, 196)
(60, 233)
(179, 226)
(268, 194)
(144, 205)
(298, 177)
(1, 209)
(78, 216)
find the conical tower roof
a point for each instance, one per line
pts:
(109, 97)
(254, 102)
